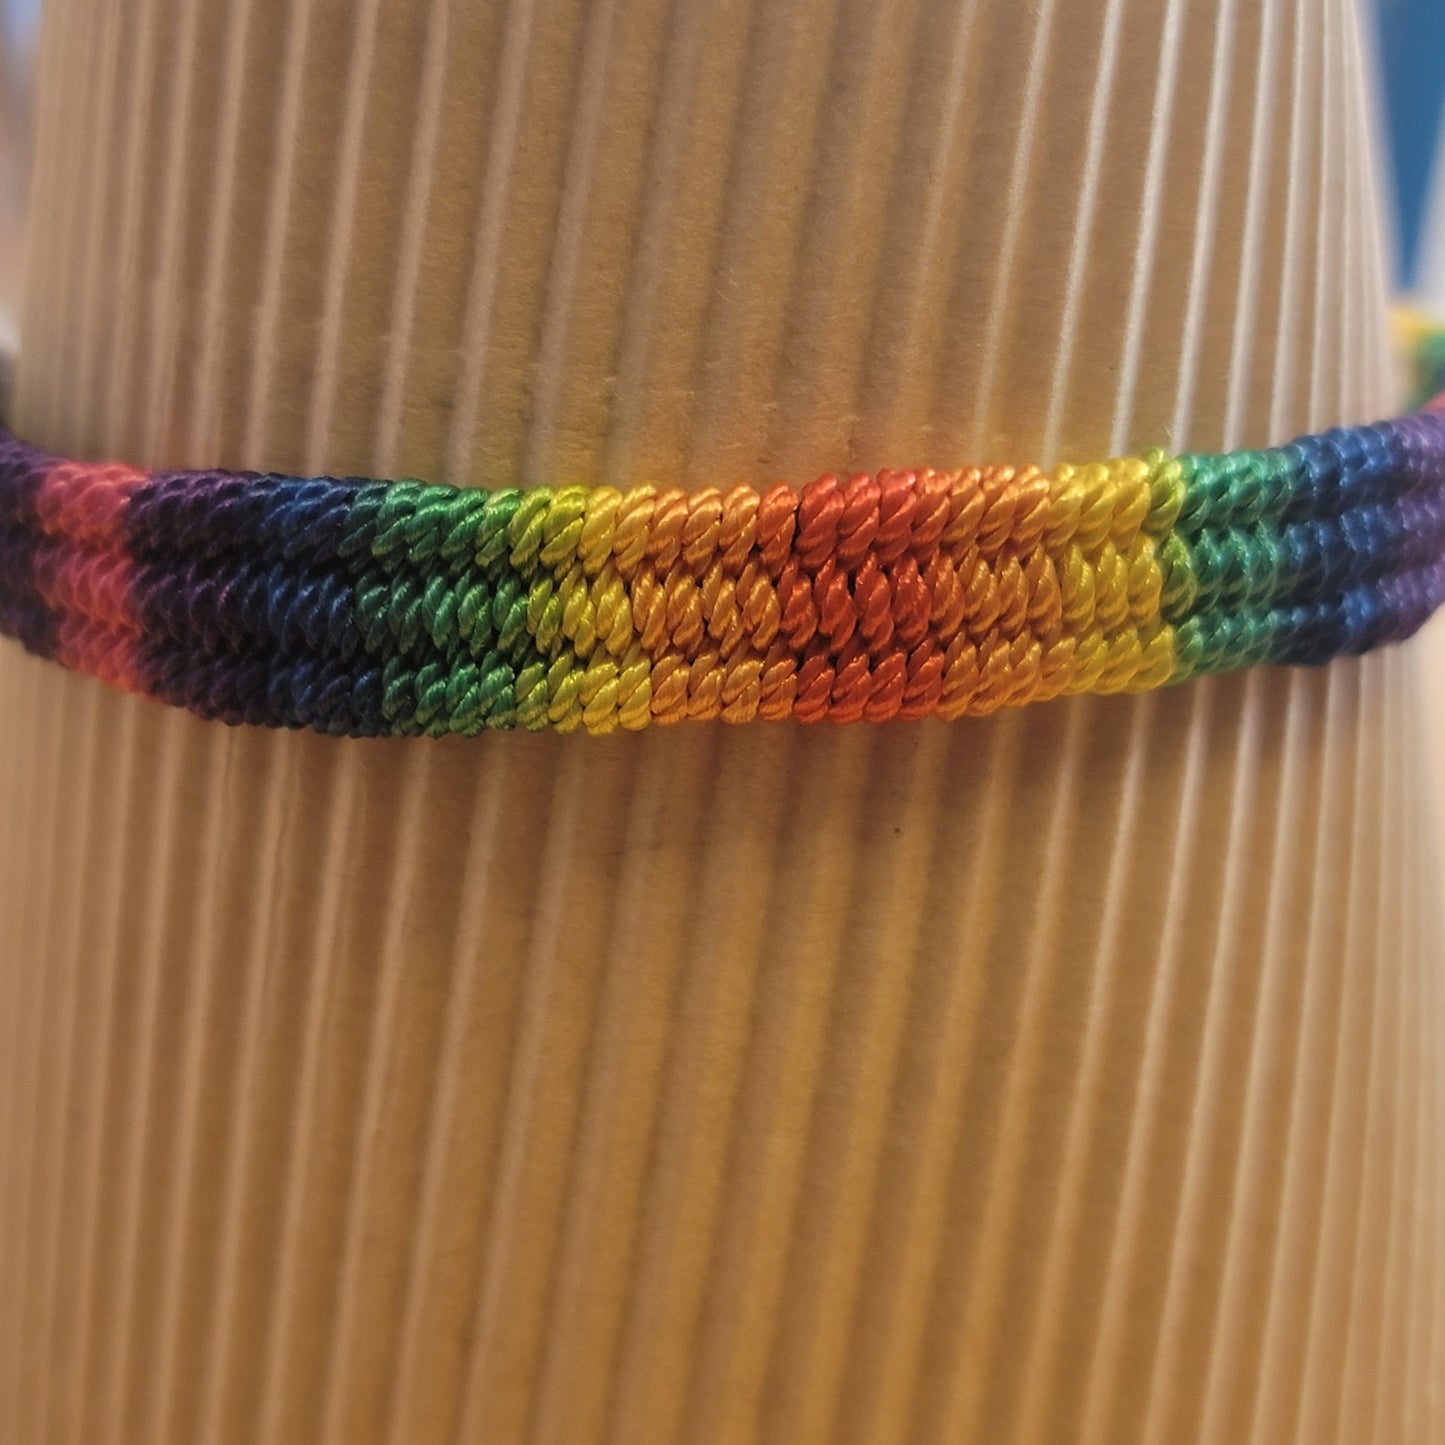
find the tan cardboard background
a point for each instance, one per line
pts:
(1072, 1075)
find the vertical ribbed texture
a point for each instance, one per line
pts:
(1070, 1076)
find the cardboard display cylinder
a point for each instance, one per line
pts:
(1070, 1075)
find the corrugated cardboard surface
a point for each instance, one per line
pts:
(1070, 1076)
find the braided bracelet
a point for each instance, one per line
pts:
(401, 608)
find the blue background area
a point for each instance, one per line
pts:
(21, 17)
(1412, 54)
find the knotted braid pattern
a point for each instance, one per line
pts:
(401, 608)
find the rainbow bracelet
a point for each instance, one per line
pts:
(401, 608)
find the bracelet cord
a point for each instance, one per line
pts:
(402, 608)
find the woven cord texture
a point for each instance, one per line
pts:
(372, 608)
